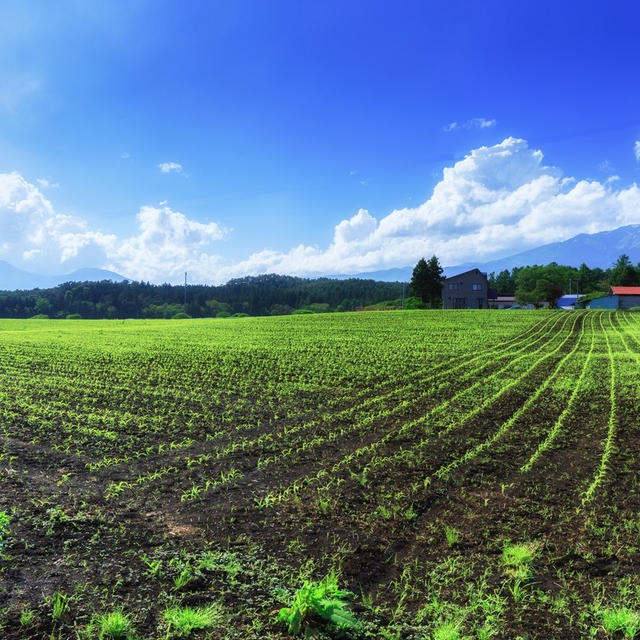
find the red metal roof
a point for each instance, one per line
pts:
(626, 291)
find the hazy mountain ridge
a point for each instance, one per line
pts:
(595, 249)
(12, 278)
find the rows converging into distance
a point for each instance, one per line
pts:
(406, 452)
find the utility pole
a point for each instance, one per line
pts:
(185, 292)
(403, 285)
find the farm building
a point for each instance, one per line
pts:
(618, 298)
(568, 301)
(467, 290)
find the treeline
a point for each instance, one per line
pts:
(280, 295)
(537, 283)
(261, 295)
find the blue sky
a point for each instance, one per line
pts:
(308, 137)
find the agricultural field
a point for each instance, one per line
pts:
(393, 475)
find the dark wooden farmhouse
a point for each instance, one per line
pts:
(468, 290)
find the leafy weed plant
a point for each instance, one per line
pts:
(324, 599)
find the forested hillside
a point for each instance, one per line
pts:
(262, 295)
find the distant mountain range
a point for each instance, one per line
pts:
(12, 278)
(595, 249)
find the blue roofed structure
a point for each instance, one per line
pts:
(568, 301)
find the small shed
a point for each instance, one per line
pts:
(627, 296)
(606, 302)
(618, 298)
(568, 301)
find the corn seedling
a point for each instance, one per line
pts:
(5, 521)
(60, 605)
(452, 535)
(27, 616)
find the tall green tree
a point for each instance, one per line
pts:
(624, 273)
(591, 279)
(426, 280)
(420, 280)
(504, 282)
(436, 270)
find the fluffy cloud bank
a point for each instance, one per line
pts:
(168, 243)
(496, 201)
(36, 238)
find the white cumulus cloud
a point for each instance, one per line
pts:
(637, 150)
(355, 228)
(496, 201)
(170, 167)
(35, 237)
(167, 244)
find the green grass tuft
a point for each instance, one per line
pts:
(621, 619)
(184, 620)
(447, 631)
(519, 557)
(114, 625)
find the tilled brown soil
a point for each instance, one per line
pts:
(419, 547)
